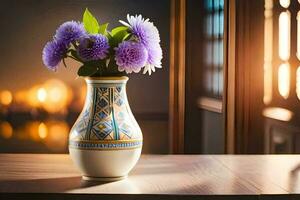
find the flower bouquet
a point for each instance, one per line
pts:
(124, 49)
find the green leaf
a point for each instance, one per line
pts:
(108, 35)
(87, 70)
(90, 22)
(117, 38)
(120, 35)
(127, 36)
(118, 29)
(102, 28)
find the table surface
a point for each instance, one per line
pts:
(164, 176)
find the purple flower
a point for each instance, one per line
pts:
(154, 59)
(93, 47)
(146, 33)
(53, 53)
(69, 32)
(131, 56)
(144, 30)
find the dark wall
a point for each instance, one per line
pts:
(204, 131)
(26, 25)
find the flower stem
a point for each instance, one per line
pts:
(74, 58)
(64, 62)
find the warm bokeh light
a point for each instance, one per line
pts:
(53, 96)
(268, 51)
(278, 113)
(32, 128)
(298, 82)
(6, 97)
(284, 35)
(285, 3)
(83, 91)
(32, 97)
(21, 97)
(6, 130)
(54, 134)
(58, 96)
(267, 83)
(42, 130)
(41, 94)
(298, 35)
(284, 80)
(57, 138)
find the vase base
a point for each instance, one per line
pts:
(103, 179)
(105, 165)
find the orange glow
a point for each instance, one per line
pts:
(32, 128)
(57, 138)
(284, 35)
(58, 96)
(21, 97)
(83, 92)
(267, 83)
(54, 96)
(54, 134)
(6, 97)
(41, 94)
(42, 131)
(278, 113)
(32, 97)
(298, 82)
(284, 3)
(268, 51)
(298, 35)
(284, 80)
(6, 130)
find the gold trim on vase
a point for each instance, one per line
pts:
(111, 149)
(107, 78)
(105, 144)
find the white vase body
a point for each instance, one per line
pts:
(105, 142)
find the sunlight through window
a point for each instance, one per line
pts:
(284, 80)
(298, 35)
(284, 3)
(284, 35)
(268, 51)
(298, 82)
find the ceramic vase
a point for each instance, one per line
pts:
(105, 142)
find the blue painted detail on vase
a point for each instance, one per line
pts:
(106, 115)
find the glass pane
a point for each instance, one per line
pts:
(204, 79)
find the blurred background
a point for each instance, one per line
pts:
(38, 106)
(230, 81)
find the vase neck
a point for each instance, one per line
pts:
(107, 92)
(107, 80)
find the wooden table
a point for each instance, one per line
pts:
(43, 176)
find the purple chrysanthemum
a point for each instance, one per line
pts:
(131, 56)
(93, 47)
(148, 35)
(53, 53)
(154, 59)
(69, 32)
(144, 30)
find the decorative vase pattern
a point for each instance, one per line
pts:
(105, 126)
